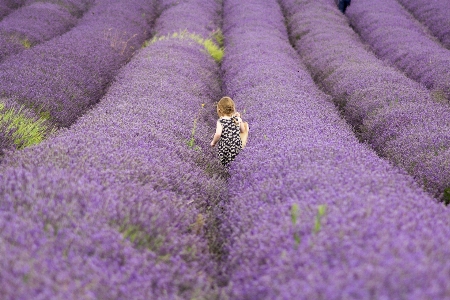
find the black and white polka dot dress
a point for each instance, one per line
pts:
(230, 140)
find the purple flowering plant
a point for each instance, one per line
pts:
(398, 117)
(75, 7)
(8, 6)
(312, 213)
(397, 37)
(127, 200)
(433, 14)
(61, 78)
(33, 24)
(118, 206)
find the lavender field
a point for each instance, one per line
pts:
(109, 188)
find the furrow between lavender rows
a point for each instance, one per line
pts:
(434, 14)
(395, 36)
(55, 82)
(400, 119)
(37, 22)
(8, 6)
(117, 206)
(312, 213)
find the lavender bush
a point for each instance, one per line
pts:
(34, 24)
(7, 6)
(185, 21)
(130, 202)
(434, 14)
(75, 7)
(73, 70)
(116, 206)
(395, 36)
(64, 76)
(400, 119)
(4, 10)
(311, 212)
(13, 4)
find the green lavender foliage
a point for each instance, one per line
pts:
(26, 131)
(216, 50)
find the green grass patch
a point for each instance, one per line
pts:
(214, 49)
(191, 141)
(140, 238)
(26, 131)
(321, 210)
(26, 43)
(446, 196)
(294, 219)
(218, 36)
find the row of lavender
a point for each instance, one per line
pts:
(73, 6)
(395, 36)
(37, 22)
(398, 117)
(434, 14)
(312, 213)
(56, 81)
(116, 206)
(118, 170)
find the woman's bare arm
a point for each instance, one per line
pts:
(217, 135)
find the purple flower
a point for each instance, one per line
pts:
(382, 104)
(33, 24)
(434, 14)
(395, 36)
(64, 76)
(118, 206)
(312, 213)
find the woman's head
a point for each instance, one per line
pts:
(225, 107)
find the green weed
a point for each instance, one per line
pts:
(140, 238)
(191, 141)
(294, 213)
(26, 43)
(446, 197)
(294, 218)
(214, 50)
(218, 36)
(26, 131)
(318, 221)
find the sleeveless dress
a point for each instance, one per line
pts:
(230, 143)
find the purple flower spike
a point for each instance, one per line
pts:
(312, 213)
(395, 36)
(67, 74)
(4, 10)
(391, 112)
(75, 7)
(7, 6)
(434, 14)
(118, 206)
(31, 25)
